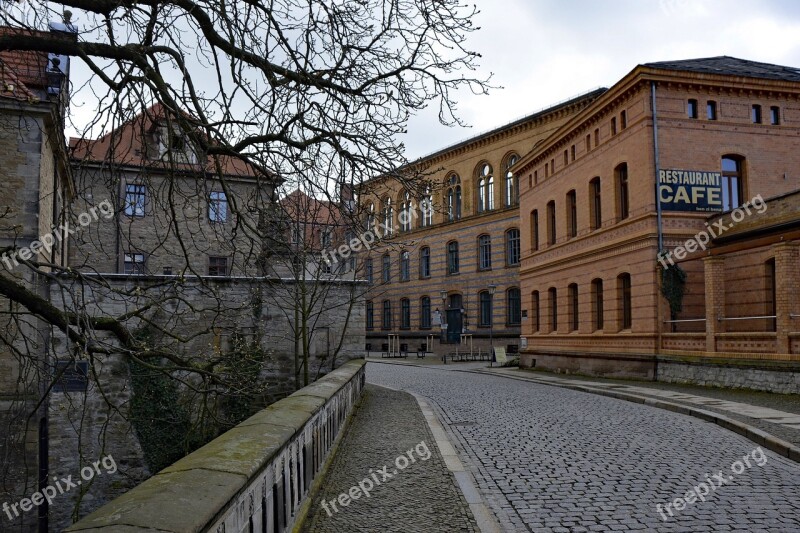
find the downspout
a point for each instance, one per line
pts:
(657, 166)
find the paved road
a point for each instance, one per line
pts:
(555, 460)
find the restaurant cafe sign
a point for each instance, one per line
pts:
(690, 190)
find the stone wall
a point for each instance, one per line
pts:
(85, 427)
(784, 379)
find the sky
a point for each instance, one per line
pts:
(542, 52)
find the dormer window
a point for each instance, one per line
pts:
(171, 144)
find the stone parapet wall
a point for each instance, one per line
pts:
(254, 477)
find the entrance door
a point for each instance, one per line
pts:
(454, 325)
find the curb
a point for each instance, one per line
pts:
(761, 437)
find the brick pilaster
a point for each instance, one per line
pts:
(715, 299)
(787, 287)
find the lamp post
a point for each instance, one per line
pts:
(492, 289)
(443, 327)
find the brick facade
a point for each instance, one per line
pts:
(614, 138)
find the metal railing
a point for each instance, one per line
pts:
(720, 318)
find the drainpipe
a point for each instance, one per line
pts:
(657, 167)
(656, 156)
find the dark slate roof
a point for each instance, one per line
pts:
(731, 66)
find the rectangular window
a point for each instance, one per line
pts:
(691, 108)
(370, 315)
(553, 309)
(484, 252)
(386, 318)
(622, 187)
(425, 313)
(711, 110)
(623, 119)
(572, 150)
(775, 115)
(566, 158)
(326, 238)
(613, 125)
(551, 223)
(485, 317)
(134, 199)
(535, 230)
(755, 114)
(405, 313)
(452, 258)
(134, 264)
(405, 266)
(597, 304)
(425, 262)
(771, 294)
(625, 297)
(513, 307)
(588, 142)
(552, 166)
(217, 266)
(535, 311)
(217, 207)
(368, 271)
(597, 137)
(512, 247)
(387, 269)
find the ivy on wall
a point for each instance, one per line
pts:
(673, 286)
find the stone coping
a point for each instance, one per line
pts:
(188, 495)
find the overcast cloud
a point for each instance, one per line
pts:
(545, 51)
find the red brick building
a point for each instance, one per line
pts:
(647, 167)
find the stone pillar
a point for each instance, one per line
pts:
(715, 299)
(787, 287)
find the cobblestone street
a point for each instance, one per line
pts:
(549, 459)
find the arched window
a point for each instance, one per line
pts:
(425, 262)
(484, 252)
(572, 214)
(481, 195)
(535, 230)
(452, 257)
(454, 198)
(597, 304)
(425, 313)
(485, 318)
(595, 204)
(513, 307)
(388, 217)
(370, 218)
(573, 307)
(623, 195)
(485, 187)
(511, 185)
(405, 313)
(732, 182)
(426, 208)
(625, 298)
(551, 222)
(553, 297)
(535, 311)
(406, 213)
(512, 247)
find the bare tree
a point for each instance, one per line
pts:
(211, 104)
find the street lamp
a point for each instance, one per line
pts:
(492, 289)
(443, 294)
